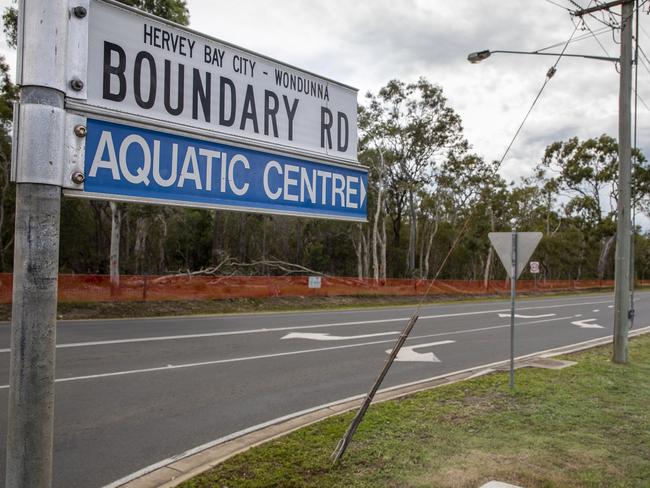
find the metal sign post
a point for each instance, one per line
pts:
(534, 270)
(514, 250)
(37, 171)
(513, 294)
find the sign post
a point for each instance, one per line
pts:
(513, 294)
(37, 169)
(534, 270)
(120, 105)
(514, 250)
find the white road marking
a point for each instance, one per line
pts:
(595, 310)
(299, 327)
(409, 353)
(316, 336)
(519, 316)
(610, 306)
(288, 353)
(586, 324)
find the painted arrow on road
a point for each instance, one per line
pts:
(586, 324)
(409, 353)
(502, 315)
(317, 336)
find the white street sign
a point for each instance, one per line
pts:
(148, 70)
(314, 282)
(526, 244)
(158, 113)
(534, 267)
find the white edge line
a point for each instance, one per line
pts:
(248, 430)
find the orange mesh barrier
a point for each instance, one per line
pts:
(95, 288)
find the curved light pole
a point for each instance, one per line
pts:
(623, 307)
(479, 56)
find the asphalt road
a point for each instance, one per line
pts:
(133, 392)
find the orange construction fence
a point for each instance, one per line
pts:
(95, 288)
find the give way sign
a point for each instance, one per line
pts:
(526, 245)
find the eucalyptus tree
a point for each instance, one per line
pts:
(8, 95)
(373, 152)
(472, 193)
(585, 175)
(175, 11)
(416, 124)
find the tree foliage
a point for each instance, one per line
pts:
(174, 10)
(428, 191)
(8, 93)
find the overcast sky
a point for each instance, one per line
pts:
(366, 43)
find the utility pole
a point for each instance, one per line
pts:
(624, 218)
(622, 304)
(38, 167)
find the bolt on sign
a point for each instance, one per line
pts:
(173, 116)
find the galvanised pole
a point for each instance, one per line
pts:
(38, 162)
(513, 295)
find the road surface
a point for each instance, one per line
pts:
(133, 392)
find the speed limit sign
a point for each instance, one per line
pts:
(534, 267)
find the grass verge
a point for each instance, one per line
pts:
(583, 426)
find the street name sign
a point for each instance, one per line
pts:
(526, 245)
(172, 116)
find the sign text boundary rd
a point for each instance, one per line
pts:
(241, 97)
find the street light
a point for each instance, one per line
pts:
(479, 56)
(623, 307)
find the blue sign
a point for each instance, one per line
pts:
(140, 165)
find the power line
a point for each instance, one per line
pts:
(549, 75)
(596, 38)
(581, 37)
(644, 31)
(643, 63)
(643, 102)
(644, 54)
(609, 24)
(613, 22)
(559, 5)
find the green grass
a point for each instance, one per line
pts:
(583, 426)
